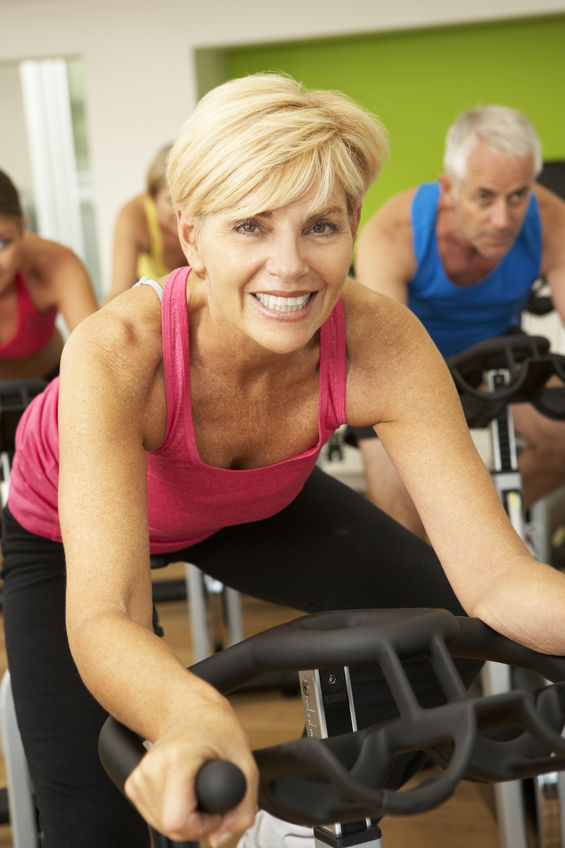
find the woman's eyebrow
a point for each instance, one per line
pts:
(331, 210)
(317, 213)
(327, 212)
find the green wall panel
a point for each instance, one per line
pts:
(417, 81)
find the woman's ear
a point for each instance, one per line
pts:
(187, 230)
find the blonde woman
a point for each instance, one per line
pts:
(191, 412)
(146, 241)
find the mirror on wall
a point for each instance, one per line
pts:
(44, 149)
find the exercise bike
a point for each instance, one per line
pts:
(490, 376)
(335, 777)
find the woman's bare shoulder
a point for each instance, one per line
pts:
(124, 336)
(42, 256)
(45, 265)
(375, 322)
(384, 342)
(112, 363)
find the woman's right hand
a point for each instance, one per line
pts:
(162, 785)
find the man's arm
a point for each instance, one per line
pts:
(552, 213)
(385, 260)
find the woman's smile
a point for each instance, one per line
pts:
(283, 304)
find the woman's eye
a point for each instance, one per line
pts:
(4, 243)
(248, 227)
(323, 228)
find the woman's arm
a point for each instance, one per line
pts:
(399, 380)
(58, 279)
(130, 234)
(111, 410)
(75, 298)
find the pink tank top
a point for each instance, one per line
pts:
(188, 500)
(34, 328)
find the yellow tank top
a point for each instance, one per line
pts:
(152, 264)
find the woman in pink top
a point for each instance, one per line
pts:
(38, 280)
(187, 422)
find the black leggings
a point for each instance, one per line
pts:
(329, 549)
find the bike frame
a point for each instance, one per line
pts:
(505, 474)
(343, 777)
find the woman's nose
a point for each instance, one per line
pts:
(286, 258)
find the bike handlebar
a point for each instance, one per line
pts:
(219, 785)
(529, 364)
(343, 778)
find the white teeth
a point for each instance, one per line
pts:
(282, 304)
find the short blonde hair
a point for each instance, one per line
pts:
(156, 177)
(262, 141)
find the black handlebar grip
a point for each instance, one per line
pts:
(120, 750)
(219, 786)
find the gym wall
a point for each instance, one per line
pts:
(417, 81)
(145, 64)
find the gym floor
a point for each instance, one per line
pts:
(465, 821)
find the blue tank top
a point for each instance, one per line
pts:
(457, 317)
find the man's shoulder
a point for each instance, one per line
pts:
(549, 203)
(385, 259)
(393, 219)
(552, 214)
(552, 218)
(399, 205)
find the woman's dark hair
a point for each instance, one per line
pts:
(9, 199)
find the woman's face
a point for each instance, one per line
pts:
(11, 249)
(275, 276)
(165, 211)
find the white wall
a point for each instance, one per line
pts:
(139, 62)
(15, 157)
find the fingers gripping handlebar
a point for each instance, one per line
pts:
(529, 364)
(343, 778)
(219, 785)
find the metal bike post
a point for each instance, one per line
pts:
(329, 709)
(505, 474)
(496, 677)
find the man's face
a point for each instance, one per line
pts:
(490, 203)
